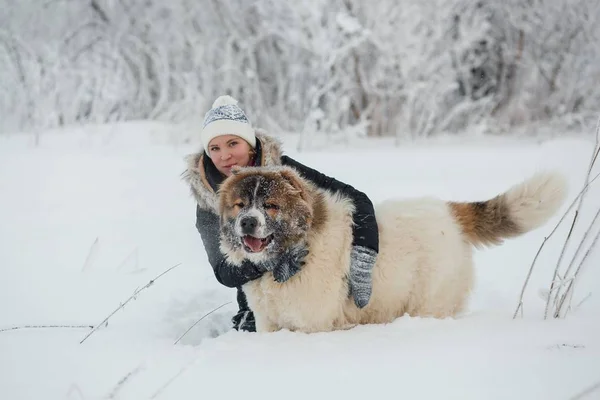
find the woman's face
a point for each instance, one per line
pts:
(229, 150)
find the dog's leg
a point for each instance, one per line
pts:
(346, 327)
(264, 324)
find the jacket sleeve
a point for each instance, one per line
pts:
(365, 229)
(226, 273)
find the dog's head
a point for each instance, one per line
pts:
(263, 211)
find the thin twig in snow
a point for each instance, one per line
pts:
(575, 220)
(586, 391)
(134, 295)
(90, 256)
(134, 255)
(172, 379)
(15, 328)
(572, 263)
(583, 300)
(585, 235)
(75, 390)
(597, 147)
(572, 283)
(204, 316)
(520, 304)
(597, 152)
(124, 380)
(562, 253)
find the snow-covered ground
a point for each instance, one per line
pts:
(90, 215)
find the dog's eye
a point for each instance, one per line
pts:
(239, 204)
(271, 206)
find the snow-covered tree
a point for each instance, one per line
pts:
(405, 68)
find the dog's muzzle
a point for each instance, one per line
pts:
(253, 234)
(248, 225)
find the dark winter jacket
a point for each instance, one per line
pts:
(204, 182)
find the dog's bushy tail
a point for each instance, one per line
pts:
(522, 208)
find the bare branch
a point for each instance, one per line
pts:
(99, 11)
(569, 291)
(113, 394)
(562, 253)
(16, 328)
(520, 303)
(134, 295)
(195, 323)
(589, 390)
(91, 255)
(587, 232)
(575, 218)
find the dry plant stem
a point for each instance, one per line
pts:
(558, 307)
(520, 304)
(568, 238)
(168, 383)
(585, 236)
(562, 253)
(114, 393)
(583, 301)
(16, 328)
(597, 147)
(595, 152)
(91, 252)
(587, 391)
(195, 323)
(560, 300)
(572, 283)
(135, 293)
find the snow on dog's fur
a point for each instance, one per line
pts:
(424, 267)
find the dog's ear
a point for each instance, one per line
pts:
(299, 185)
(236, 169)
(293, 179)
(304, 209)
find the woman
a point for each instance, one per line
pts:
(229, 139)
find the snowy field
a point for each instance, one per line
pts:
(90, 215)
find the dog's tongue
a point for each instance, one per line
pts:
(254, 243)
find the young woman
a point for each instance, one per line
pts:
(229, 140)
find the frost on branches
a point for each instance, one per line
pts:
(405, 68)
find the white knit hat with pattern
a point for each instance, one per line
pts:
(226, 118)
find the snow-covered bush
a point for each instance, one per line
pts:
(406, 68)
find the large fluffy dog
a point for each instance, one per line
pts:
(424, 267)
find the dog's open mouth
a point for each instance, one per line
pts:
(256, 245)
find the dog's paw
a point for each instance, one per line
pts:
(290, 264)
(283, 272)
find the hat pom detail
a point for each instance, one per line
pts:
(225, 100)
(226, 118)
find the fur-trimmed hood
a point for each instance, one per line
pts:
(195, 176)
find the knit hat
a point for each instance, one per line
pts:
(226, 118)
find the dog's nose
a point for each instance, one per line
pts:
(249, 225)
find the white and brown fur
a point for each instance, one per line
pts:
(424, 267)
